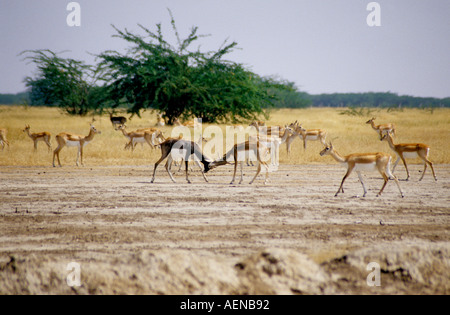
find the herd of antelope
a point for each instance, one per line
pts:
(266, 141)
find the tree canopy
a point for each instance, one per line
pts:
(180, 82)
(63, 82)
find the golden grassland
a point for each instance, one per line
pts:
(349, 134)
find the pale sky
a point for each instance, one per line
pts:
(324, 46)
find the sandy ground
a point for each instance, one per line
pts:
(288, 237)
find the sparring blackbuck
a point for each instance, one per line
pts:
(239, 152)
(172, 148)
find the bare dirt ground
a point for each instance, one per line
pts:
(291, 236)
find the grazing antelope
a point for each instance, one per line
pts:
(189, 148)
(257, 148)
(117, 121)
(72, 140)
(363, 162)
(310, 134)
(410, 150)
(381, 129)
(3, 141)
(40, 136)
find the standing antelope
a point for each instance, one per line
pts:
(381, 129)
(160, 120)
(410, 150)
(257, 148)
(273, 143)
(363, 162)
(310, 134)
(117, 121)
(147, 135)
(188, 148)
(3, 141)
(40, 136)
(72, 140)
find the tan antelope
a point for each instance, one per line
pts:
(309, 134)
(186, 149)
(40, 136)
(146, 135)
(381, 129)
(160, 120)
(362, 162)
(273, 143)
(3, 140)
(410, 151)
(72, 140)
(267, 130)
(238, 152)
(190, 124)
(257, 124)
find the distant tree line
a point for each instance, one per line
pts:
(298, 99)
(372, 99)
(15, 99)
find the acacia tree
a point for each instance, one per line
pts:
(63, 82)
(182, 83)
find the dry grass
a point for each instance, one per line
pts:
(349, 134)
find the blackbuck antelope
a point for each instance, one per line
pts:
(3, 140)
(117, 121)
(72, 140)
(381, 129)
(147, 135)
(270, 132)
(191, 124)
(411, 151)
(184, 148)
(200, 142)
(362, 162)
(309, 134)
(239, 152)
(257, 124)
(273, 142)
(160, 120)
(40, 136)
